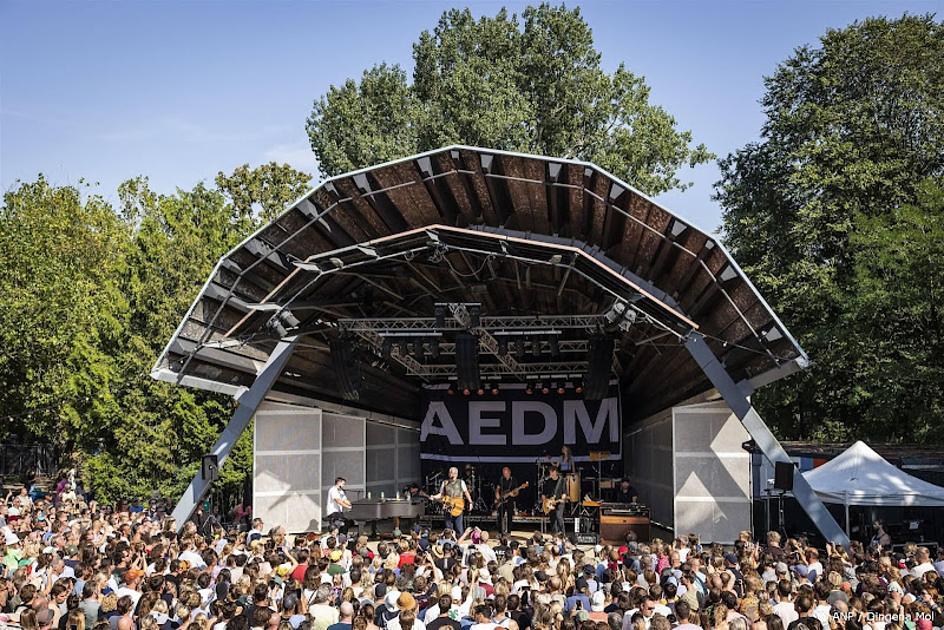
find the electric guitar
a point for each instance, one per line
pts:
(548, 505)
(502, 496)
(455, 505)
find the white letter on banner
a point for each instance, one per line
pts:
(477, 423)
(519, 437)
(437, 409)
(576, 410)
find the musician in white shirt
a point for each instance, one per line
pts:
(336, 504)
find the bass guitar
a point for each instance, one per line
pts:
(502, 496)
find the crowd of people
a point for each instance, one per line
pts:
(68, 564)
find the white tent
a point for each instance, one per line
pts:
(860, 476)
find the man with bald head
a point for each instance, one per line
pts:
(453, 487)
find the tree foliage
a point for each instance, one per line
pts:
(532, 84)
(813, 211)
(88, 296)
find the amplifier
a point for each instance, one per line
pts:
(614, 527)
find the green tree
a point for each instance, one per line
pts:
(854, 126)
(62, 315)
(897, 315)
(88, 296)
(534, 85)
(263, 191)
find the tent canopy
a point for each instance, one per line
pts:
(860, 476)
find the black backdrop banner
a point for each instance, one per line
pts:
(517, 427)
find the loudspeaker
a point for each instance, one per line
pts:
(783, 476)
(346, 368)
(467, 361)
(210, 467)
(613, 528)
(599, 364)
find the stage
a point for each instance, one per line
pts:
(470, 306)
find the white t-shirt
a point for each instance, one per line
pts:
(786, 612)
(335, 496)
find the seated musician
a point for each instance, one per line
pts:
(337, 503)
(626, 493)
(452, 492)
(553, 489)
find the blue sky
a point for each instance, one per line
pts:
(180, 90)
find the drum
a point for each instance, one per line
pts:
(572, 486)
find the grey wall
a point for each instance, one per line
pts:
(647, 460)
(712, 487)
(299, 451)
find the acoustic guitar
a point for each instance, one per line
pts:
(511, 493)
(455, 505)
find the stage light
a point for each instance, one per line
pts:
(494, 390)
(561, 390)
(535, 347)
(578, 389)
(434, 347)
(502, 346)
(439, 312)
(545, 390)
(480, 392)
(466, 391)
(528, 390)
(451, 391)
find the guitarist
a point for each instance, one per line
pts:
(454, 488)
(506, 506)
(553, 489)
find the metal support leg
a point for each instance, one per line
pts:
(248, 404)
(768, 444)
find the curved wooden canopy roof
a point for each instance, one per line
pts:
(525, 236)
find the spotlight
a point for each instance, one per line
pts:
(528, 390)
(480, 392)
(451, 391)
(578, 389)
(561, 390)
(545, 390)
(494, 390)
(466, 391)
(535, 347)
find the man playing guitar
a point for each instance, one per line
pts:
(506, 490)
(552, 499)
(451, 493)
